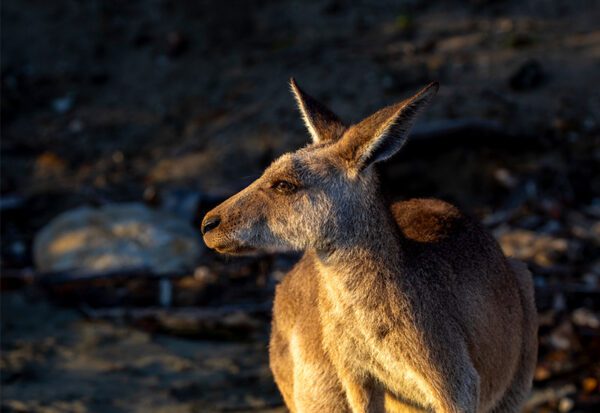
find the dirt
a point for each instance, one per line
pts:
(55, 361)
(155, 101)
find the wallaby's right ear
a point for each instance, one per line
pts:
(382, 134)
(322, 124)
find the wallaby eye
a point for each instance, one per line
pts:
(284, 187)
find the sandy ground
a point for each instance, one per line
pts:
(53, 360)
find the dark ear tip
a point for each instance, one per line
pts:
(433, 87)
(427, 93)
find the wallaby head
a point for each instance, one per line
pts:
(317, 196)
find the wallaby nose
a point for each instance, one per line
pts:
(210, 223)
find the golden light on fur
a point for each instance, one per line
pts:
(408, 307)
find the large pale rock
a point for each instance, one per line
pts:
(116, 236)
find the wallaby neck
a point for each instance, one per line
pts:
(365, 261)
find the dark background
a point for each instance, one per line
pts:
(185, 102)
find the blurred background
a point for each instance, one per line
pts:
(124, 121)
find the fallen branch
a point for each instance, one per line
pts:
(438, 136)
(226, 321)
(567, 289)
(192, 313)
(30, 276)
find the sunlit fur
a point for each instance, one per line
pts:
(409, 307)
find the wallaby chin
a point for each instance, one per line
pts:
(237, 250)
(408, 308)
(234, 247)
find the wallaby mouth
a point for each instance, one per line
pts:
(227, 246)
(235, 249)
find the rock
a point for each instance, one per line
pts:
(49, 166)
(116, 236)
(563, 337)
(333, 7)
(505, 178)
(590, 384)
(527, 77)
(460, 43)
(585, 318)
(520, 40)
(177, 44)
(63, 104)
(584, 228)
(565, 405)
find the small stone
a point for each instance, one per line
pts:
(594, 209)
(49, 166)
(505, 177)
(17, 247)
(16, 406)
(205, 275)
(177, 44)
(333, 7)
(559, 303)
(75, 126)
(460, 43)
(565, 405)
(543, 249)
(563, 337)
(528, 76)
(590, 384)
(520, 40)
(505, 25)
(542, 373)
(63, 104)
(118, 157)
(151, 195)
(585, 318)
(590, 279)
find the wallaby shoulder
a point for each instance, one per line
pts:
(428, 220)
(440, 229)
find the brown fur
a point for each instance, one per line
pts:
(411, 307)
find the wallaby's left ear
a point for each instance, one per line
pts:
(382, 134)
(322, 124)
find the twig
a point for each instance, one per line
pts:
(567, 288)
(225, 321)
(191, 313)
(444, 127)
(31, 276)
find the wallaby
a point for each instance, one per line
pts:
(408, 307)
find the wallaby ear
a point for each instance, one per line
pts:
(322, 124)
(382, 134)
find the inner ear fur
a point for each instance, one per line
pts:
(381, 135)
(322, 124)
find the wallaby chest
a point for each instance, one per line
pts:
(367, 338)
